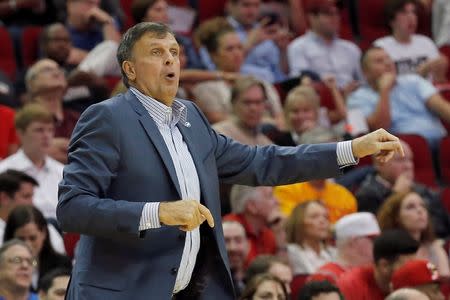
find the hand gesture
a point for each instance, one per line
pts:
(98, 15)
(380, 143)
(330, 82)
(186, 214)
(387, 81)
(403, 183)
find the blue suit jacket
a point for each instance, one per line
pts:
(118, 161)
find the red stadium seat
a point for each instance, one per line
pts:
(126, 8)
(297, 283)
(30, 44)
(372, 23)
(70, 243)
(423, 164)
(7, 56)
(445, 199)
(208, 9)
(444, 153)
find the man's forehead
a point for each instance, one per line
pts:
(154, 38)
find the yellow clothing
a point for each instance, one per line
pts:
(336, 198)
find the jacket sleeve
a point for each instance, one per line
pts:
(93, 160)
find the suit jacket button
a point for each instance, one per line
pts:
(174, 271)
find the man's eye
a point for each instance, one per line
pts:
(156, 52)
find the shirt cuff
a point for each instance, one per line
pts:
(150, 216)
(345, 154)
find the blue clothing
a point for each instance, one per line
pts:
(32, 296)
(409, 112)
(339, 59)
(85, 40)
(265, 56)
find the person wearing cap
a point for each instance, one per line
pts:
(321, 51)
(407, 294)
(354, 242)
(391, 250)
(419, 274)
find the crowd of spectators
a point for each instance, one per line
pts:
(284, 72)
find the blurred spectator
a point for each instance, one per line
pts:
(237, 250)
(251, 207)
(35, 127)
(273, 265)
(411, 52)
(320, 290)
(303, 112)
(84, 86)
(54, 284)
(7, 92)
(391, 250)
(354, 242)
(420, 275)
(264, 286)
(264, 40)
(407, 294)
(27, 12)
(17, 188)
(157, 11)
(338, 200)
(9, 143)
(397, 175)
(16, 269)
(441, 22)
(408, 211)
(321, 51)
(308, 232)
(28, 224)
(89, 25)
(391, 102)
(249, 101)
(226, 50)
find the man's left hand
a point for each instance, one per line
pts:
(380, 143)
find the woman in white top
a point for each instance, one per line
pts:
(409, 212)
(308, 230)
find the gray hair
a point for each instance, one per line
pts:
(240, 195)
(11, 243)
(406, 294)
(129, 39)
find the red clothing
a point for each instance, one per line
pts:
(331, 272)
(262, 243)
(8, 134)
(360, 284)
(65, 128)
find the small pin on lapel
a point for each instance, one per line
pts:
(187, 124)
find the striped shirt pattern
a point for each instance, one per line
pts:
(166, 119)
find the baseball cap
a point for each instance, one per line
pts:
(414, 273)
(356, 225)
(320, 6)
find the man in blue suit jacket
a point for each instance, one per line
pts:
(132, 156)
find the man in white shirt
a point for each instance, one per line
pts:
(412, 53)
(35, 127)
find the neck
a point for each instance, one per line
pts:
(416, 235)
(381, 282)
(402, 38)
(4, 213)
(168, 101)
(37, 159)
(252, 131)
(313, 244)
(328, 39)
(348, 259)
(255, 222)
(14, 294)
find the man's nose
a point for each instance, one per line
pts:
(169, 59)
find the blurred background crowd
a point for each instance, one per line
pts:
(287, 72)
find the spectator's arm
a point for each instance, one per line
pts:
(340, 111)
(298, 17)
(381, 117)
(439, 106)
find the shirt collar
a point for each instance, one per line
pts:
(24, 163)
(161, 113)
(318, 38)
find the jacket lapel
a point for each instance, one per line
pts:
(155, 136)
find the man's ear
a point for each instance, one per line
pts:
(128, 68)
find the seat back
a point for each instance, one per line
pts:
(297, 283)
(444, 156)
(7, 57)
(30, 44)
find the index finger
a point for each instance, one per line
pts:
(207, 214)
(392, 146)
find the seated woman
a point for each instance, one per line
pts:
(264, 286)
(408, 211)
(303, 113)
(28, 224)
(308, 231)
(227, 52)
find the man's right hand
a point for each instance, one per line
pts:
(186, 214)
(386, 82)
(403, 183)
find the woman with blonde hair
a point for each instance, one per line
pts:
(409, 212)
(308, 231)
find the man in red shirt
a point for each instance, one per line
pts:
(354, 242)
(251, 206)
(391, 250)
(9, 143)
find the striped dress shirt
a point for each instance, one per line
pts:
(166, 119)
